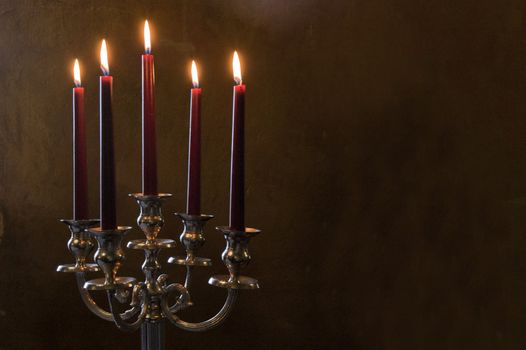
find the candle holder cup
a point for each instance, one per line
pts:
(109, 256)
(192, 238)
(150, 219)
(236, 256)
(80, 246)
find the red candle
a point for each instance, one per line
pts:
(193, 199)
(107, 161)
(149, 157)
(237, 164)
(80, 172)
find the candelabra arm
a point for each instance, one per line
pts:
(88, 300)
(97, 310)
(188, 277)
(212, 322)
(184, 300)
(119, 320)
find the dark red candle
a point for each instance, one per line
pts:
(237, 164)
(193, 198)
(149, 156)
(107, 159)
(80, 166)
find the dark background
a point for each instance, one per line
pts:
(386, 165)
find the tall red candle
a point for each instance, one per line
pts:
(80, 166)
(193, 196)
(237, 164)
(107, 159)
(149, 157)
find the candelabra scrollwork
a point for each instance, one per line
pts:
(148, 301)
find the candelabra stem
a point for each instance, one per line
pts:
(152, 335)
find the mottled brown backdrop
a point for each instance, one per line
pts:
(386, 146)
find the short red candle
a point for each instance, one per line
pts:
(80, 172)
(149, 156)
(237, 164)
(107, 158)
(193, 198)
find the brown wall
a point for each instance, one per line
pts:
(386, 165)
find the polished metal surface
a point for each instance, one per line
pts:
(196, 261)
(155, 244)
(97, 310)
(103, 284)
(192, 239)
(150, 219)
(239, 282)
(148, 300)
(80, 246)
(78, 268)
(152, 335)
(235, 257)
(109, 256)
(206, 325)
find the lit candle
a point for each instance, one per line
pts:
(80, 172)
(149, 157)
(237, 161)
(107, 159)
(193, 202)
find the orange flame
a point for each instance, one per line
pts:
(237, 69)
(195, 77)
(147, 41)
(76, 73)
(104, 58)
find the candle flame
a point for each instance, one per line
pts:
(147, 41)
(195, 78)
(237, 69)
(76, 73)
(104, 58)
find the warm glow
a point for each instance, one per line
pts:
(147, 42)
(104, 58)
(237, 69)
(195, 78)
(76, 73)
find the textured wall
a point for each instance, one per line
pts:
(386, 164)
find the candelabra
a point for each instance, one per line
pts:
(149, 301)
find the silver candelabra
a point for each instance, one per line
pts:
(148, 301)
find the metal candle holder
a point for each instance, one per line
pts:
(148, 301)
